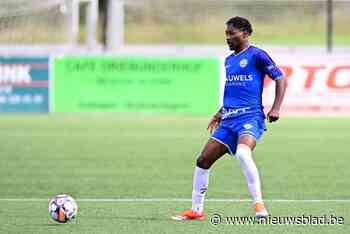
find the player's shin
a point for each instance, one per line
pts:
(200, 185)
(244, 155)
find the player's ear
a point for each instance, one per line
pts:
(245, 34)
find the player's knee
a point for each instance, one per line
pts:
(203, 162)
(243, 152)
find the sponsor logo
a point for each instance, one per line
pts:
(15, 73)
(228, 112)
(231, 78)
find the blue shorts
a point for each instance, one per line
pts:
(230, 130)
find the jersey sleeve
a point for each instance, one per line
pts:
(267, 66)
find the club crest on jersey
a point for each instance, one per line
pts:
(243, 63)
(247, 126)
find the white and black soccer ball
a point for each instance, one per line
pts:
(63, 208)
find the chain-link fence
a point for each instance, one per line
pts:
(275, 22)
(34, 22)
(203, 21)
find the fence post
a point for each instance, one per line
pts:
(329, 26)
(115, 25)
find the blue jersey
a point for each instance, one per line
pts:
(245, 74)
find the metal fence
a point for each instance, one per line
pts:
(34, 22)
(280, 22)
(285, 23)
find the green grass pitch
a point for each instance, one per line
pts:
(102, 156)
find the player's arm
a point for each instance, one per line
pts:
(280, 90)
(268, 67)
(214, 121)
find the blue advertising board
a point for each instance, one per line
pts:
(24, 84)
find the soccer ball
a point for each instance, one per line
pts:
(63, 208)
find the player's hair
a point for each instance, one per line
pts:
(240, 23)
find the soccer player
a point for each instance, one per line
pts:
(240, 122)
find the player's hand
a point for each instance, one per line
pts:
(273, 115)
(213, 124)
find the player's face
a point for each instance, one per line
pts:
(235, 37)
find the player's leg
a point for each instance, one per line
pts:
(211, 152)
(245, 146)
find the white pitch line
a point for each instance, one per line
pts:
(154, 200)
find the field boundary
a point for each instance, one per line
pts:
(151, 200)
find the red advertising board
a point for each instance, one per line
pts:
(317, 85)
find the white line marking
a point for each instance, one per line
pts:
(175, 200)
